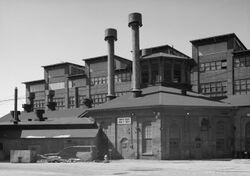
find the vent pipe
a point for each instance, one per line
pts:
(135, 21)
(110, 37)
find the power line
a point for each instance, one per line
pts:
(12, 99)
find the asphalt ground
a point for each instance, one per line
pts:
(130, 167)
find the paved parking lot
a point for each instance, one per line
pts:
(131, 167)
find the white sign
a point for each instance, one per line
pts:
(123, 120)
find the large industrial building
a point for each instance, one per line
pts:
(161, 105)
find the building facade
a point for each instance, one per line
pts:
(218, 69)
(161, 105)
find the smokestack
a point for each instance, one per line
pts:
(135, 21)
(110, 37)
(16, 113)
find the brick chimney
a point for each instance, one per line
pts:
(135, 21)
(110, 37)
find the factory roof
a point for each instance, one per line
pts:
(217, 38)
(238, 100)
(160, 96)
(59, 133)
(106, 57)
(164, 55)
(63, 63)
(60, 117)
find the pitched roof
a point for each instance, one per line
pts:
(59, 133)
(35, 81)
(217, 38)
(106, 57)
(238, 100)
(61, 117)
(164, 55)
(160, 96)
(164, 46)
(62, 63)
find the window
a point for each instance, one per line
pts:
(242, 86)
(59, 103)
(71, 102)
(224, 64)
(145, 73)
(167, 72)
(214, 89)
(118, 94)
(81, 100)
(212, 66)
(39, 104)
(99, 98)
(147, 138)
(207, 66)
(55, 86)
(248, 61)
(218, 65)
(155, 73)
(177, 73)
(202, 67)
(236, 62)
(243, 61)
(98, 80)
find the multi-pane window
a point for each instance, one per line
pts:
(212, 66)
(167, 72)
(118, 94)
(145, 73)
(39, 104)
(214, 89)
(98, 80)
(177, 73)
(155, 72)
(122, 77)
(243, 61)
(119, 77)
(242, 86)
(147, 138)
(81, 100)
(59, 103)
(99, 98)
(71, 102)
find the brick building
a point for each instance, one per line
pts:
(150, 107)
(222, 64)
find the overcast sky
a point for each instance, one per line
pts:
(34, 33)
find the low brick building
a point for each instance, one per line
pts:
(49, 133)
(164, 123)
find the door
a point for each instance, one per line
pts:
(124, 147)
(174, 142)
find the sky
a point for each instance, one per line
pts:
(35, 33)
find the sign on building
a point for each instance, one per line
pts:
(123, 120)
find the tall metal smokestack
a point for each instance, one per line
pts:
(110, 37)
(16, 113)
(135, 21)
